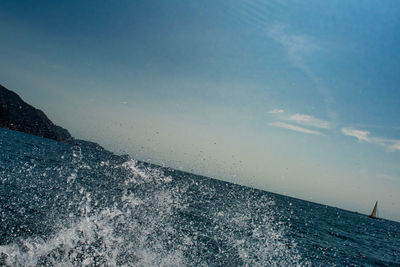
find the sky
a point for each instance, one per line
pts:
(301, 99)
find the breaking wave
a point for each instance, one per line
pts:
(83, 206)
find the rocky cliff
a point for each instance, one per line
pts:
(17, 115)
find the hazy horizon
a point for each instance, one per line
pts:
(295, 98)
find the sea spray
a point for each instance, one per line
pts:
(83, 206)
(104, 211)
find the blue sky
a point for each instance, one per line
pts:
(295, 98)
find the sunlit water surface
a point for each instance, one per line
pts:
(75, 205)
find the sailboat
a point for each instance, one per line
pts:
(373, 213)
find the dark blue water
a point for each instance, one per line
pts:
(81, 205)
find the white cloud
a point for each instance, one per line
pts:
(389, 144)
(360, 135)
(293, 128)
(276, 111)
(395, 145)
(310, 120)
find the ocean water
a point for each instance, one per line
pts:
(80, 205)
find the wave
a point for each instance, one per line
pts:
(102, 210)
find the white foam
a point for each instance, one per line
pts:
(141, 231)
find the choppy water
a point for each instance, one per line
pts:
(81, 205)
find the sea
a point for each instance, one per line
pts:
(81, 205)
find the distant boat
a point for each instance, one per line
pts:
(373, 213)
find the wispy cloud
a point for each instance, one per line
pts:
(293, 128)
(387, 177)
(360, 135)
(395, 145)
(298, 46)
(276, 111)
(364, 136)
(310, 121)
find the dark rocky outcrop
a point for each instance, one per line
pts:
(17, 115)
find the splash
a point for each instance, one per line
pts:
(108, 212)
